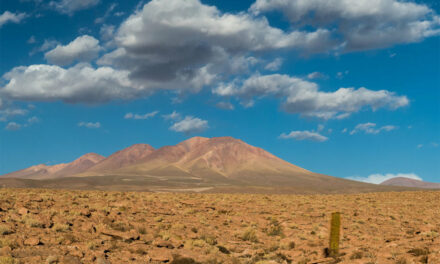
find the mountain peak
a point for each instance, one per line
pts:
(194, 141)
(93, 157)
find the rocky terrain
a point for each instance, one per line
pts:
(58, 226)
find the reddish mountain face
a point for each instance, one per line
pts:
(407, 182)
(224, 163)
(43, 171)
(122, 158)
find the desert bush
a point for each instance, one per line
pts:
(419, 251)
(7, 260)
(357, 255)
(32, 222)
(275, 228)
(249, 235)
(210, 239)
(61, 227)
(5, 230)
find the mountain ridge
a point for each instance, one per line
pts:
(198, 163)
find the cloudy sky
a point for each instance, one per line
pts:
(342, 87)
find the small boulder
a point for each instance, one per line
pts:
(33, 241)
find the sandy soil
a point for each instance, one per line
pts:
(56, 226)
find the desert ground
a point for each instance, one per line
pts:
(59, 226)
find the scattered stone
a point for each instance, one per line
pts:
(23, 211)
(33, 241)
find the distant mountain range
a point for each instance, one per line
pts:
(407, 182)
(222, 164)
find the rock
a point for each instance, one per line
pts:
(163, 244)
(33, 241)
(85, 212)
(160, 254)
(52, 259)
(71, 260)
(101, 260)
(23, 211)
(5, 251)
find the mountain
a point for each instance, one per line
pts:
(221, 164)
(407, 182)
(125, 157)
(43, 171)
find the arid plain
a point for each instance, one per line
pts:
(58, 226)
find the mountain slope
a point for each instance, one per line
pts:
(122, 158)
(407, 182)
(222, 164)
(43, 171)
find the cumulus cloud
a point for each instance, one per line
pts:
(89, 124)
(33, 120)
(71, 6)
(12, 126)
(173, 116)
(274, 65)
(8, 17)
(190, 125)
(140, 116)
(316, 75)
(379, 178)
(185, 46)
(304, 135)
(225, 105)
(303, 97)
(81, 83)
(371, 128)
(360, 25)
(8, 112)
(84, 48)
(193, 43)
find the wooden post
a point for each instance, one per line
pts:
(335, 227)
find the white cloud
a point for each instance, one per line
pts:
(31, 40)
(89, 124)
(379, 178)
(33, 120)
(303, 97)
(107, 32)
(71, 6)
(225, 105)
(8, 17)
(192, 44)
(8, 112)
(173, 116)
(304, 135)
(316, 75)
(107, 13)
(274, 65)
(370, 128)
(84, 48)
(80, 83)
(320, 127)
(190, 125)
(420, 146)
(140, 116)
(363, 24)
(12, 126)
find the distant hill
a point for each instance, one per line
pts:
(223, 164)
(43, 171)
(407, 182)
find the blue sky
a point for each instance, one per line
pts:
(348, 91)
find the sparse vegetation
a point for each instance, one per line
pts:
(220, 228)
